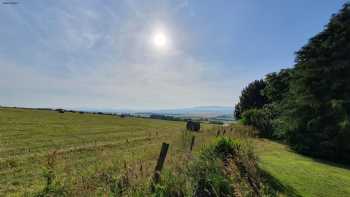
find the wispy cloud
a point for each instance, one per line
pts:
(99, 54)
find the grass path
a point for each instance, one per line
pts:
(304, 175)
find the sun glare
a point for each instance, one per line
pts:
(160, 40)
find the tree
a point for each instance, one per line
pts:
(277, 85)
(318, 103)
(252, 97)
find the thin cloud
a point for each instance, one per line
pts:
(94, 56)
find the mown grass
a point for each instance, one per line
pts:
(301, 175)
(84, 144)
(92, 153)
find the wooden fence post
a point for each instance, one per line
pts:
(125, 166)
(218, 133)
(160, 162)
(192, 142)
(141, 168)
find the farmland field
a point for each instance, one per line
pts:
(82, 144)
(85, 145)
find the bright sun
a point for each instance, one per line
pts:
(160, 40)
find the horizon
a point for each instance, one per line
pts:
(138, 110)
(150, 55)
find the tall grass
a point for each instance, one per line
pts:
(226, 167)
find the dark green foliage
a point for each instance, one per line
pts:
(269, 120)
(261, 119)
(309, 105)
(277, 85)
(164, 117)
(318, 105)
(252, 97)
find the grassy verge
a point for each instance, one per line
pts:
(301, 175)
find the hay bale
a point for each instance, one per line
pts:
(193, 126)
(60, 110)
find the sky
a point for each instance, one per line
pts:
(105, 54)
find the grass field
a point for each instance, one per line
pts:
(301, 175)
(83, 145)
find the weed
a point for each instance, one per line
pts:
(52, 187)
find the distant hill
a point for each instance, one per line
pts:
(201, 111)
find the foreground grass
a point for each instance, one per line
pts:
(89, 150)
(82, 145)
(301, 175)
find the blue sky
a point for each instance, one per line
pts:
(101, 54)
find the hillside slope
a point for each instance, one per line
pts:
(303, 175)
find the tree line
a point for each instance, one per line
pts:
(307, 105)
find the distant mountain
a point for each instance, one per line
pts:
(107, 110)
(201, 110)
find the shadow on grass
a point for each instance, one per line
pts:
(333, 163)
(276, 185)
(330, 163)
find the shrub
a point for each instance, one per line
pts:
(260, 119)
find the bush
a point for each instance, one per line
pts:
(260, 119)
